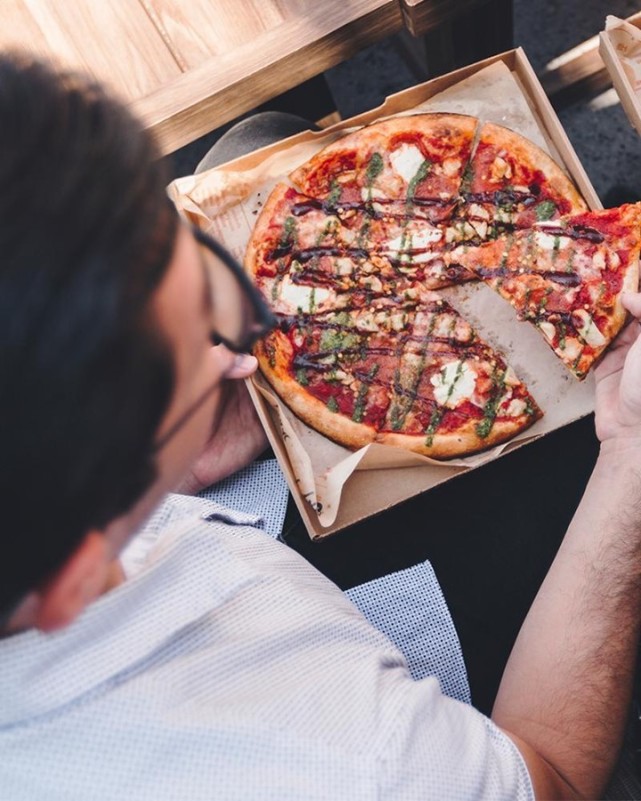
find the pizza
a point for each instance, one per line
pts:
(406, 371)
(566, 277)
(352, 254)
(402, 165)
(511, 183)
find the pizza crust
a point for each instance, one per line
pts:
(442, 135)
(463, 442)
(530, 155)
(264, 230)
(309, 409)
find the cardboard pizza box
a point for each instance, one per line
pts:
(620, 49)
(375, 485)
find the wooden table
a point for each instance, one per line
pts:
(189, 66)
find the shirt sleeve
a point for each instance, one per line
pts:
(444, 749)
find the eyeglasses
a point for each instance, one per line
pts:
(239, 315)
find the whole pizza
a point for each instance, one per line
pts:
(351, 255)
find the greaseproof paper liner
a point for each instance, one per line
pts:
(226, 203)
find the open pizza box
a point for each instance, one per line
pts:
(333, 487)
(620, 49)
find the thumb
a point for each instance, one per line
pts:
(244, 365)
(632, 302)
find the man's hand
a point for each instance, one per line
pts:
(565, 693)
(618, 377)
(237, 436)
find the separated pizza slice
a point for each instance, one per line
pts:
(511, 184)
(404, 166)
(408, 372)
(567, 277)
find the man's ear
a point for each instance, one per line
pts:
(79, 581)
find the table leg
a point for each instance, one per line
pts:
(464, 38)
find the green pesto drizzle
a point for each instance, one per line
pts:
(491, 407)
(545, 210)
(289, 231)
(466, 179)
(374, 168)
(561, 329)
(439, 411)
(332, 405)
(359, 406)
(338, 338)
(403, 406)
(334, 193)
(271, 352)
(421, 175)
(361, 240)
(457, 375)
(435, 419)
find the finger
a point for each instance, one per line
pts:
(632, 302)
(630, 391)
(244, 365)
(627, 336)
(617, 352)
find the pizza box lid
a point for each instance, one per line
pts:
(620, 49)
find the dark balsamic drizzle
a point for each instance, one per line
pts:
(574, 232)
(503, 197)
(563, 278)
(313, 204)
(310, 253)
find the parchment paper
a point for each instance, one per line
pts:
(226, 202)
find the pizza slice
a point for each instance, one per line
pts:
(298, 241)
(511, 183)
(566, 277)
(402, 166)
(408, 372)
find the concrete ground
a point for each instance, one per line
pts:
(607, 145)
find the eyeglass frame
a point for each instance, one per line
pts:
(265, 321)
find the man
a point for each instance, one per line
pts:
(229, 668)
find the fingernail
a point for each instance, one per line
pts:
(244, 360)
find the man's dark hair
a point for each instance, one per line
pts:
(86, 235)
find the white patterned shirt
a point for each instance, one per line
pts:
(229, 668)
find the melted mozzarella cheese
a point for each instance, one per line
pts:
(418, 240)
(406, 161)
(295, 297)
(549, 332)
(478, 212)
(546, 241)
(500, 169)
(588, 331)
(516, 408)
(451, 167)
(370, 193)
(572, 349)
(455, 383)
